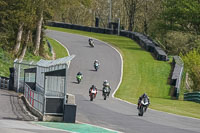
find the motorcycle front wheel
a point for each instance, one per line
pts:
(140, 113)
(91, 97)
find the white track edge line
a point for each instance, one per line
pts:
(63, 46)
(121, 81)
(65, 49)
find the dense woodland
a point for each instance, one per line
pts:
(174, 24)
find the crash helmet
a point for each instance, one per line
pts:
(144, 95)
(106, 83)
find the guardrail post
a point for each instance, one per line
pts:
(0, 82)
(8, 84)
(3, 83)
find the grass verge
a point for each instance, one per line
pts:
(59, 50)
(5, 62)
(142, 73)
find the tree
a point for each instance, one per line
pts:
(75, 12)
(181, 15)
(25, 45)
(192, 65)
(131, 7)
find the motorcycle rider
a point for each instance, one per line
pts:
(79, 73)
(96, 62)
(93, 88)
(106, 84)
(91, 41)
(140, 99)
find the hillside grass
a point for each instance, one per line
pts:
(142, 73)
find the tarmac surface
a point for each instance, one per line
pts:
(112, 113)
(14, 118)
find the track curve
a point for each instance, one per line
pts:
(112, 113)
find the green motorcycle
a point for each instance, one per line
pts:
(79, 78)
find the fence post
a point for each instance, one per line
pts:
(3, 83)
(33, 98)
(8, 81)
(0, 82)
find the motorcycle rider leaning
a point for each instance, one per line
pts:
(91, 88)
(140, 99)
(96, 61)
(106, 84)
(90, 40)
(79, 73)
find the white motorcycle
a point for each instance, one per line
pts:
(93, 94)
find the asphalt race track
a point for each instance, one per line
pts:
(112, 113)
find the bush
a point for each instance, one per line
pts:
(192, 66)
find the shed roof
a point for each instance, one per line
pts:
(50, 63)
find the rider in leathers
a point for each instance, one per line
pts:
(91, 88)
(140, 99)
(106, 84)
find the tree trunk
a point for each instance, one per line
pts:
(19, 38)
(25, 46)
(130, 6)
(38, 34)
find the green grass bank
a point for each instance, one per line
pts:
(59, 50)
(142, 73)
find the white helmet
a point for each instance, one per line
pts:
(106, 83)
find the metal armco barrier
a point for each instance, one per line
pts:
(195, 97)
(4, 83)
(178, 66)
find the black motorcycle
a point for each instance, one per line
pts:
(143, 106)
(105, 92)
(91, 43)
(96, 66)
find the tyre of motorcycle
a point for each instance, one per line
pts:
(92, 97)
(141, 111)
(91, 44)
(105, 96)
(78, 80)
(96, 68)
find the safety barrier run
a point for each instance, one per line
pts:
(177, 64)
(195, 97)
(4, 83)
(143, 40)
(36, 99)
